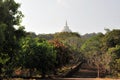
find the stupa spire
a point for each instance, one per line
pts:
(66, 23)
(66, 28)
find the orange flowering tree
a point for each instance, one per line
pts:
(63, 55)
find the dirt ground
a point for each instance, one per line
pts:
(67, 79)
(86, 79)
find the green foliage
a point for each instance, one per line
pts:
(9, 13)
(9, 17)
(64, 35)
(86, 36)
(46, 36)
(20, 32)
(111, 46)
(112, 38)
(91, 47)
(74, 43)
(2, 35)
(93, 54)
(37, 54)
(93, 43)
(31, 34)
(71, 40)
(115, 62)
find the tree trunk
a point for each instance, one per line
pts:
(55, 71)
(31, 71)
(98, 73)
(0, 69)
(43, 74)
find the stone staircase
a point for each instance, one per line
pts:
(85, 73)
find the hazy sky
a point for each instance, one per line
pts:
(83, 16)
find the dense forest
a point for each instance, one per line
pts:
(27, 54)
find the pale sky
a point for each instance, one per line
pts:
(83, 16)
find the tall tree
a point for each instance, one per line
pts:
(111, 46)
(9, 17)
(63, 53)
(37, 54)
(93, 54)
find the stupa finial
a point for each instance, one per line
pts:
(66, 23)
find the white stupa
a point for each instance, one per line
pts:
(66, 28)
